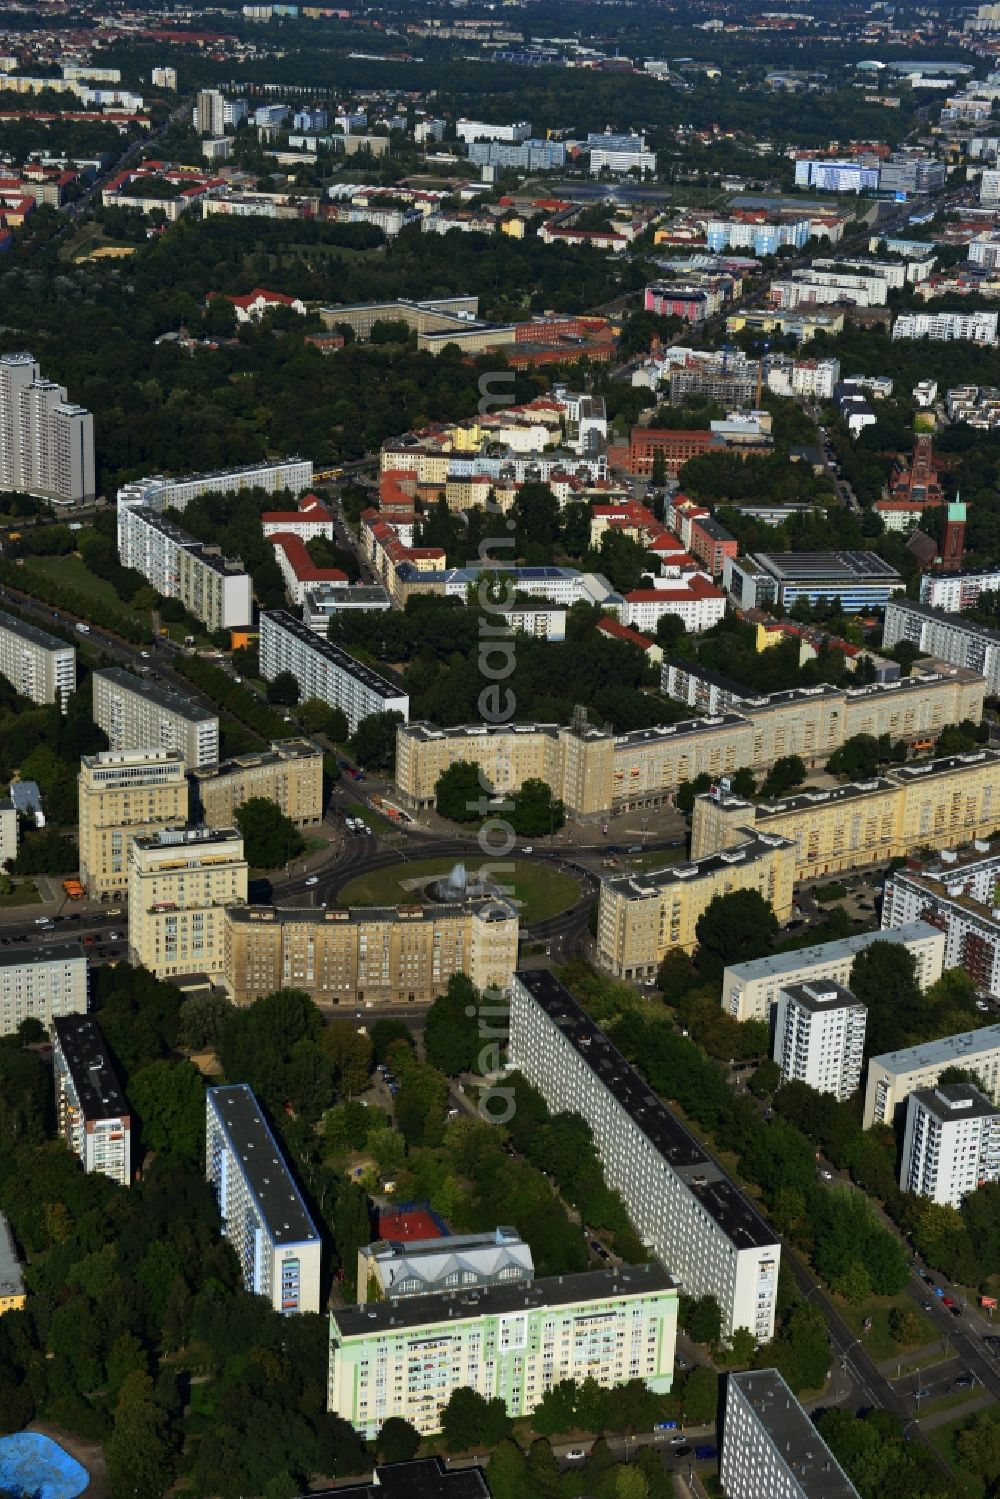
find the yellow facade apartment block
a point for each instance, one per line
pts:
(125, 794)
(290, 773)
(641, 916)
(369, 956)
(946, 801)
(180, 884)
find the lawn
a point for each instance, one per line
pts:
(879, 1342)
(966, 1485)
(543, 891)
(657, 860)
(72, 572)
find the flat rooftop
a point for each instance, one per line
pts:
(263, 1164)
(851, 567)
(40, 957)
(427, 1478)
(32, 633)
(613, 1283)
(170, 702)
(777, 964)
(97, 1084)
(279, 752)
(301, 632)
(643, 885)
(703, 1177)
(488, 908)
(821, 994)
(688, 727)
(954, 1101)
(813, 1469)
(948, 1051)
(11, 1279)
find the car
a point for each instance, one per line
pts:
(925, 1277)
(113, 937)
(43, 920)
(981, 1004)
(705, 1452)
(682, 1451)
(528, 849)
(677, 1440)
(938, 1293)
(926, 1306)
(827, 1176)
(575, 1455)
(964, 1382)
(89, 941)
(948, 1301)
(634, 848)
(313, 879)
(922, 1394)
(956, 1311)
(681, 1363)
(144, 655)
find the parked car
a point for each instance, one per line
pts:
(575, 1455)
(313, 879)
(705, 1452)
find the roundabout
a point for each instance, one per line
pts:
(542, 891)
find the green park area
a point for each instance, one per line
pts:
(542, 890)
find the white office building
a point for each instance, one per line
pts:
(951, 1144)
(92, 1111)
(263, 1214)
(681, 1204)
(941, 327)
(770, 1447)
(750, 990)
(478, 130)
(42, 983)
(162, 493)
(819, 1037)
(619, 154)
(46, 442)
(137, 715)
(949, 637)
(324, 670)
(36, 664)
(213, 589)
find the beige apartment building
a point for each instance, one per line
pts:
(125, 795)
(951, 800)
(595, 772)
(641, 916)
(369, 956)
(136, 714)
(180, 883)
(290, 773)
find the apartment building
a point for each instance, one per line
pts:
(35, 663)
(323, 670)
(972, 327)
(956, 892)
(162, 493)
(817, 288)
(310, 520)
(137, 715)
(594, 771)
(693, 599)
(949, 637)
(819, 1037)
(263, 1214)
(750, 990)
(42, 983)
(641, 916)
(370, 955)
(12, 1292)
(894, 1075)
(210, 112)
(393, 1270)
(124, 795)
(681, 1204)
(513, 1342)
(46, 442)
(290, 774)
(92, 1111)
(949, 800)
(951, 1143)
(213, 589)
(179, 883)
(770, 1445)
(954, 592)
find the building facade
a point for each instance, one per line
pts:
(92, 1111)
(750, 990)
(819, 1037)
(46, 442)
(325, 671)
(12, 1292)
(180, 882)
(391, 1270)
(406, 1358)
(36, 664)
(137, 715)
(894, 1075)
(371, 956)
(213, 589)
(956, 892)
(951, 1143)
(949, 637)
(162, 493)
(42, 983)
(770, 1445)
(290, 774)
(123, 795)
(263, 1214)
(679, 1201)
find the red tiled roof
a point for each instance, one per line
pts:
(301, 563)
(611, 626)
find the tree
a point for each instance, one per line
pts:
(373, 742)
(459, 794)
(468, 1420)
(398, 1441)
(734, 928)
(317, 717)
(884, 977)
(169, 1098)
(351, 1053)
(451, 1030)
(506, 1471)
(786, 772)
(537, 517)
(676, 975)
(201, 1019)
(703, 1320)
(536, 811)
(283, 690)
(670, 633)
(270, 839)
(386, 1034)
(700, 1396)
(766, 1079)
(905, 1326)
(856, 759)
(555, 1413)
(978, 1445)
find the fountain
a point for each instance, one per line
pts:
(458, 886)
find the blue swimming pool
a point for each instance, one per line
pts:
(31, 1463)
